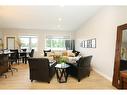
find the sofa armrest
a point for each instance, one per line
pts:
(75, 65)
(52, 63)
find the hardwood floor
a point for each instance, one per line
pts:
(20, 80)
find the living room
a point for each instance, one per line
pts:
(71, 22)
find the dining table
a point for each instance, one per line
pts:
(25, 53)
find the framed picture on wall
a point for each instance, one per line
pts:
(89, 43)
(81, 44)
(94, 43)
(85, 44)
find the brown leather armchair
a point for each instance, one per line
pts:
(81, 68)
(41, 69)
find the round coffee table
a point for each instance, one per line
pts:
(61, 72)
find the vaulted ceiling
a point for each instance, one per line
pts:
(60, 18)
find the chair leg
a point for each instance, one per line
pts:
(15, 69)
(89, 74)
(48, 81)
(78, 80)
(11, 71)
(31, 80)
(4, 75)
(18, 61)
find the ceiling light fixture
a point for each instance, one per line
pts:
(60, 19)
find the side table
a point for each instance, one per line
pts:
(61, 72)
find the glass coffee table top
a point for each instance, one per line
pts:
(62, 65)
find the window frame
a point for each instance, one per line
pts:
(64, 48)
(30, 41)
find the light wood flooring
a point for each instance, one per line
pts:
(20, 80)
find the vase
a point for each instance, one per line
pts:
(62, 64)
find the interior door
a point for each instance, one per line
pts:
(10, 42)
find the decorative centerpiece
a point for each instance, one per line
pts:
(62, 60)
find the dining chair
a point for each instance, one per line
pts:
(30, 55)
(13, 58)
(22, 55)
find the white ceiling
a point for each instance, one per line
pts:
(60, 18)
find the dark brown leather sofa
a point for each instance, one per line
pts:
(41, 69)
(81, 68)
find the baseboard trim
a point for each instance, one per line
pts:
(108, 78)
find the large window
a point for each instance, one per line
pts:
(55, 44)
(60, 43)
(29, 42)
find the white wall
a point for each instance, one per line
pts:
(103, 27)
(1, 34)
(41, 34)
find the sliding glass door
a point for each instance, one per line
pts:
(10, 42)
(29, 42)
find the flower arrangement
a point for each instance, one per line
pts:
(62, 59)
